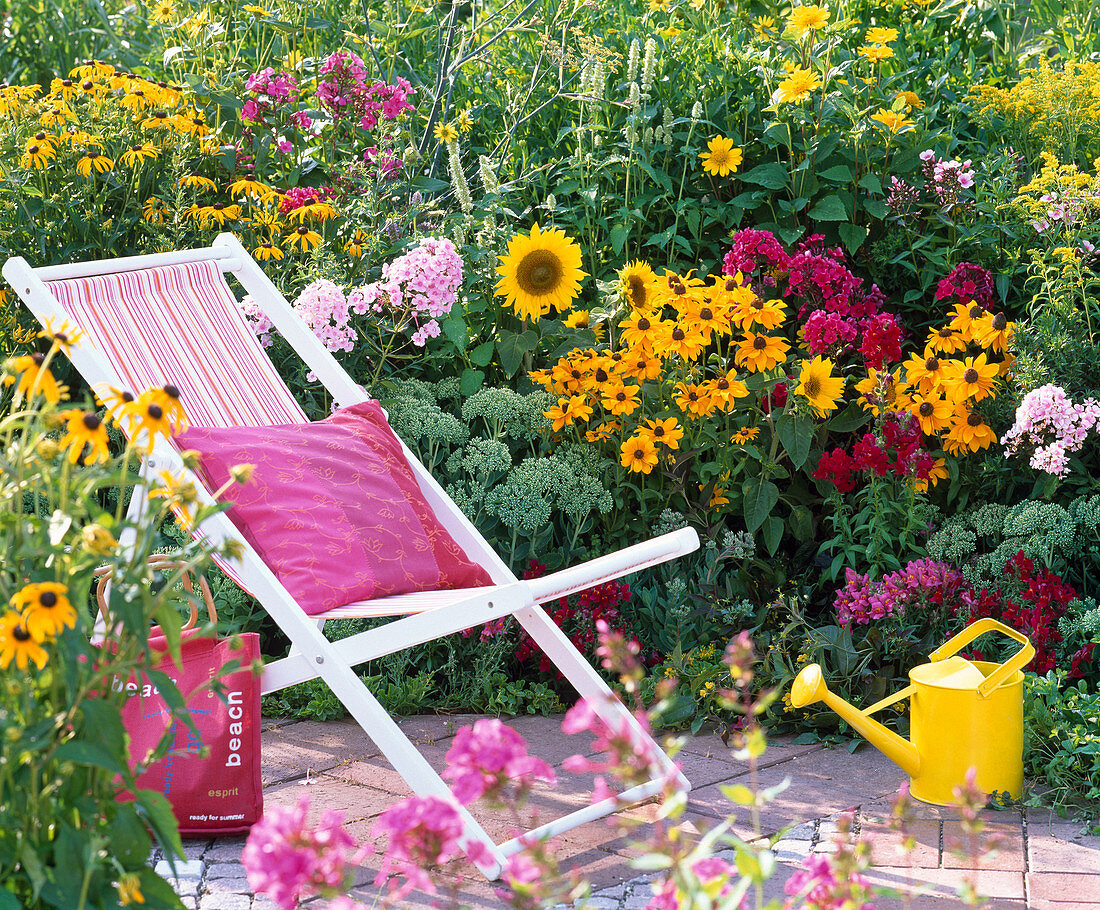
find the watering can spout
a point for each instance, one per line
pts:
(809, 688)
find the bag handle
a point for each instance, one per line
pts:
(1017, 661)
(161, 564)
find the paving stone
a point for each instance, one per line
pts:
(185, 877)
(597, 903)
(1064, 887)
(999, 846)
(224, 870)
(229, 885)
(780, 749)
(310, 747)
(225, 851)
(546, 740)
(329, 792)
(226, 902)
(918, 846)
(263, 902)
(944, 883)
(189, 902)
(1060, 847)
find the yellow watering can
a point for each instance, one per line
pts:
(965, 714)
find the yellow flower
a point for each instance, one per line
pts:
(876, 53)
(445, 133)
(636, 281)
(892, 121)
(17, 644)
(761, 352)
(542, 271)
(135, 155)
(267, 250)
(94, 160)
(153, 210)
(559, 414)
(804, 19)
(84, 428)
(621, 399)
(762, 25)
(968, 433)
(303, 236)
(881, 35)
(819, 386)
(718, 498)
(198, 181)
(151, 419)
(933, 412)
(158, 120)
(162, 11)
(659, 6)
(34, 378)
(639, 454)
(64, 335)
(37, 155)
(465, 121)
(669, 32)
(179, 494)
(798, 85)
(723, 158)
(665, 432)
(578, 319)
(976, 379)
(910, 99)
(936, 473)
(246, 185)
(693, 399)
(745, 435)
(256, 10)
(45, 608)
(98, 540)
(993, 332)
(129, 886)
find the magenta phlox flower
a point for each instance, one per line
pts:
(423, 831)
(816, 887)
(257, 320)
(290, 861)
(713, 877)
(756, 254)
(623, 753)
(490, 757)
(967, 283)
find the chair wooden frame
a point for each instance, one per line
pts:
(426, 616)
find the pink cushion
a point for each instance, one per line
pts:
(334, 509)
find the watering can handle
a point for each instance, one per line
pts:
(1017, 661)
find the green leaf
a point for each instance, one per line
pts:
(156, 812)
(8, 901)
(831, 208)
(82, 753)
(801, 523)
(760, 497)
(512, 346)
(471, 381)
(838, 173)
(129, 838)
(851, 418)
(454, 327)
(482, 354)
(852, 235)
(771, 176)
(871, 183)
(619, 234)
(876, 208)
(773, 533)
(797, 435)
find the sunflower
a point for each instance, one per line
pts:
(747, 434)
(639, 454)
(798, 85)
(891, 121)
(17, 644)
(636, 280)
(308, 238)
(761, 352)
(876, 53)
(45, 609)
(542, 271)
(84, 428)
(723, 158)
(819, 386)
(93, 160)
(809, 18)
(578, 319)
(34, 378)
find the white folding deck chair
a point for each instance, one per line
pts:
(150, 320)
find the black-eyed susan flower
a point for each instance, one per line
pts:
(936, 473)
(640, 364)
(158, 120)
(725, 390)
(248, 186)
(603, 431)
(721, 158)
(944, 340)
(96, 161)
(120, 404)
(642, 331)
(168, 397)
(63, 334)
(933, 412)
(683, 341)
(639, 454)
(37, 156)
(620, 400)
(84, 429)
(150, 420)
(154, 210)
(219, 213)
(267, 250)
(304, 237)
(818, 385)
(198, 181)
(993, 331)
(66, 89)
(18, 645)
(760, 352)
(129, 890)
(56, 116)
(927, 373)
(968, 433)
(745, 435)
(974, 379)
(542, 271)
(194, 124)
(136, 101)
(757, 312)
(314, 211)
(179, 493)
(31, 377)
(558, 415)
(666, 432)
(693, 399)
(45, 608)
(138, 154)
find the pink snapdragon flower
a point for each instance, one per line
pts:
(1053, 426)
(488, 759)
(289, 861)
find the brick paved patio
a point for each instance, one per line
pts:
(1043, 863)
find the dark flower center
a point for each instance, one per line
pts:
(88, 85)
(576, 374)
(539, 272)
(678, 334)
(601, 375)
(723, 384)
(932, 364)
(639, 454)
(760, 342)
(38, 359)
(637, 291)
(976, 312)
(1000, 322)
(974, 420)
(658, 430)
(705, 314)
(303, 230)
(20, 634)
(758, 303)
(971, 376)
(156, 411)
(40, 136)
(644, 324)
(620, 396)
(926, 409)
(678, 289)
(731, 284)
(33, 150)
(47, 599)
(68, 83)
(92, 422)
(813, 387)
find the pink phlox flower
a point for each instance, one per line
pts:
(257, 320)
(324, 308)
(289, 861)
(489, 756)
(423, 831)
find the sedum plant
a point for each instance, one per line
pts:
(75, 831)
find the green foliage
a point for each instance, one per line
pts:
(1063, 739)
